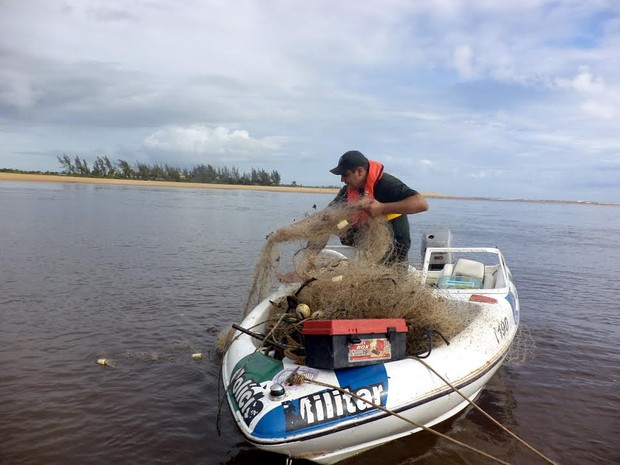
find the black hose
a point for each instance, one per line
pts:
(427, 334)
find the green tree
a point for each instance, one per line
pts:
(263, 178)
(66, 164)
(99, 169)
(126, 171)
(103, 167)
(110, 169)
(142, 171)
(81, 167)
(171, 173)
(275, 178)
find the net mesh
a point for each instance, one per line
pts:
(362, 286)
(522, 348)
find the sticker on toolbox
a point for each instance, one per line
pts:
(370, 349)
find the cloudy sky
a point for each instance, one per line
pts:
(474, 97)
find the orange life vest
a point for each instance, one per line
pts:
(375, 171)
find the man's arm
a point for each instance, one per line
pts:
(410, 205)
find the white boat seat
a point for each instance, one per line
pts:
(447, 269)
(470, 268)
(465, 274)
(490, 277)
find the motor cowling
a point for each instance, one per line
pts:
(437, 238)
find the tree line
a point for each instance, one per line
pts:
(102, 167)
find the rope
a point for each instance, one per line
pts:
(455, 389)
(301, 378)
(390, 412)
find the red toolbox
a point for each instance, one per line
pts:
(334, 344)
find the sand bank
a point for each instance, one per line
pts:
(180, 185)
(298, 189)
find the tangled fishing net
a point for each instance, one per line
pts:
(522, 349)
(362, 286)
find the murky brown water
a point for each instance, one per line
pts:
(147, 277)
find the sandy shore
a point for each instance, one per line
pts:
(186, 185)
(298, 189)
(180, 185)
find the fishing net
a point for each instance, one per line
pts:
(522, 349)
(373, 242)
(364, 285)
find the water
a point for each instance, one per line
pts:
(148, 276)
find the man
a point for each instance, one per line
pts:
(388, 196)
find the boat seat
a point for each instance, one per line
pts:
(447, 269)
(469, 268)
(465, 274)
(490, 276)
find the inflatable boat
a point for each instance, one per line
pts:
(358, 389)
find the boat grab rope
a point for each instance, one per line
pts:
(297, 378)
(455, 389)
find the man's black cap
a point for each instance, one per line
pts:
(348, 161)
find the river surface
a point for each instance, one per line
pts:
(146, 277)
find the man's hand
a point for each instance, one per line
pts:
(410, 205)
(374, 209)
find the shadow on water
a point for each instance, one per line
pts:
(469, 427)
(409, 449)
(248, 455)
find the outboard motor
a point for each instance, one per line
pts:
(437, 238)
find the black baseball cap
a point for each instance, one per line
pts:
(348, 161)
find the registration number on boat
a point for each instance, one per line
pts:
(501, 330)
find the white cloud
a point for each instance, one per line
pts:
(464, 61)
(489, 173)
(599, 109)
(600, 102)
(585, 82)
(204, 140)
